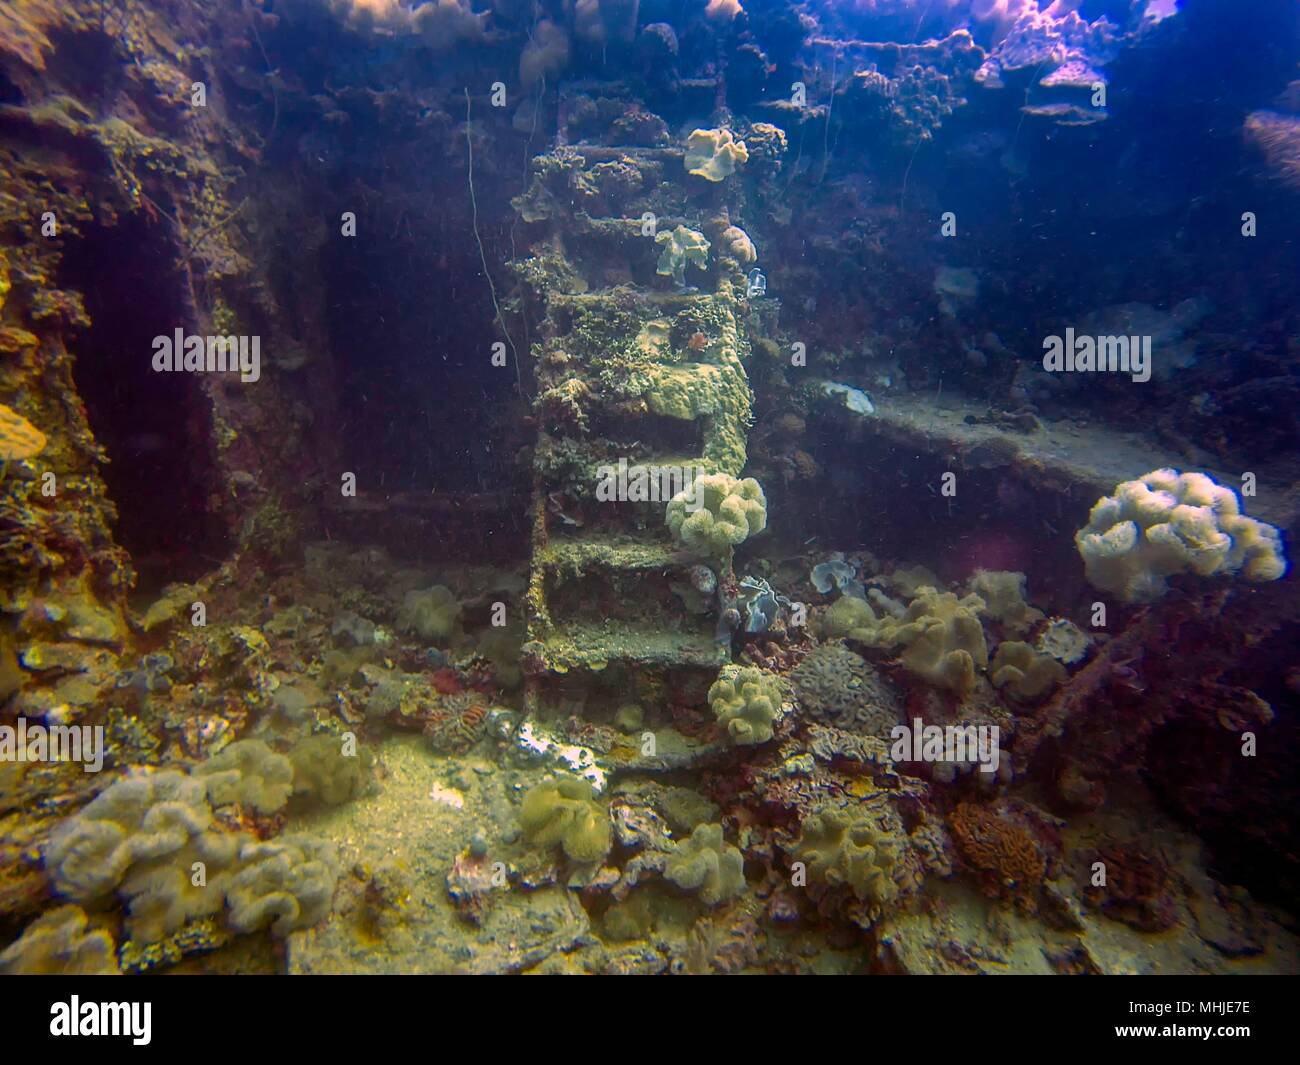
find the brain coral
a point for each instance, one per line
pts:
(837, 686)
(713, 154)
(563, 811)
(704, 862)
(716, 513)
(250, 773)
(841, 847)
(1166, 523)
(1003, 852)
(746, 702)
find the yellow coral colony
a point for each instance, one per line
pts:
(746, 702)
(714, 154)
(716, 513)
(1166, 523)
(942, 639)
(564, 811)
(939, 637)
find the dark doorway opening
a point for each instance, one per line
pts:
(412, 331)
(434, 427)
(155, 427)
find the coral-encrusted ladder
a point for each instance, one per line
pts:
(610, 612)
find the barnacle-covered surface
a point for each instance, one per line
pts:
(420, 642)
